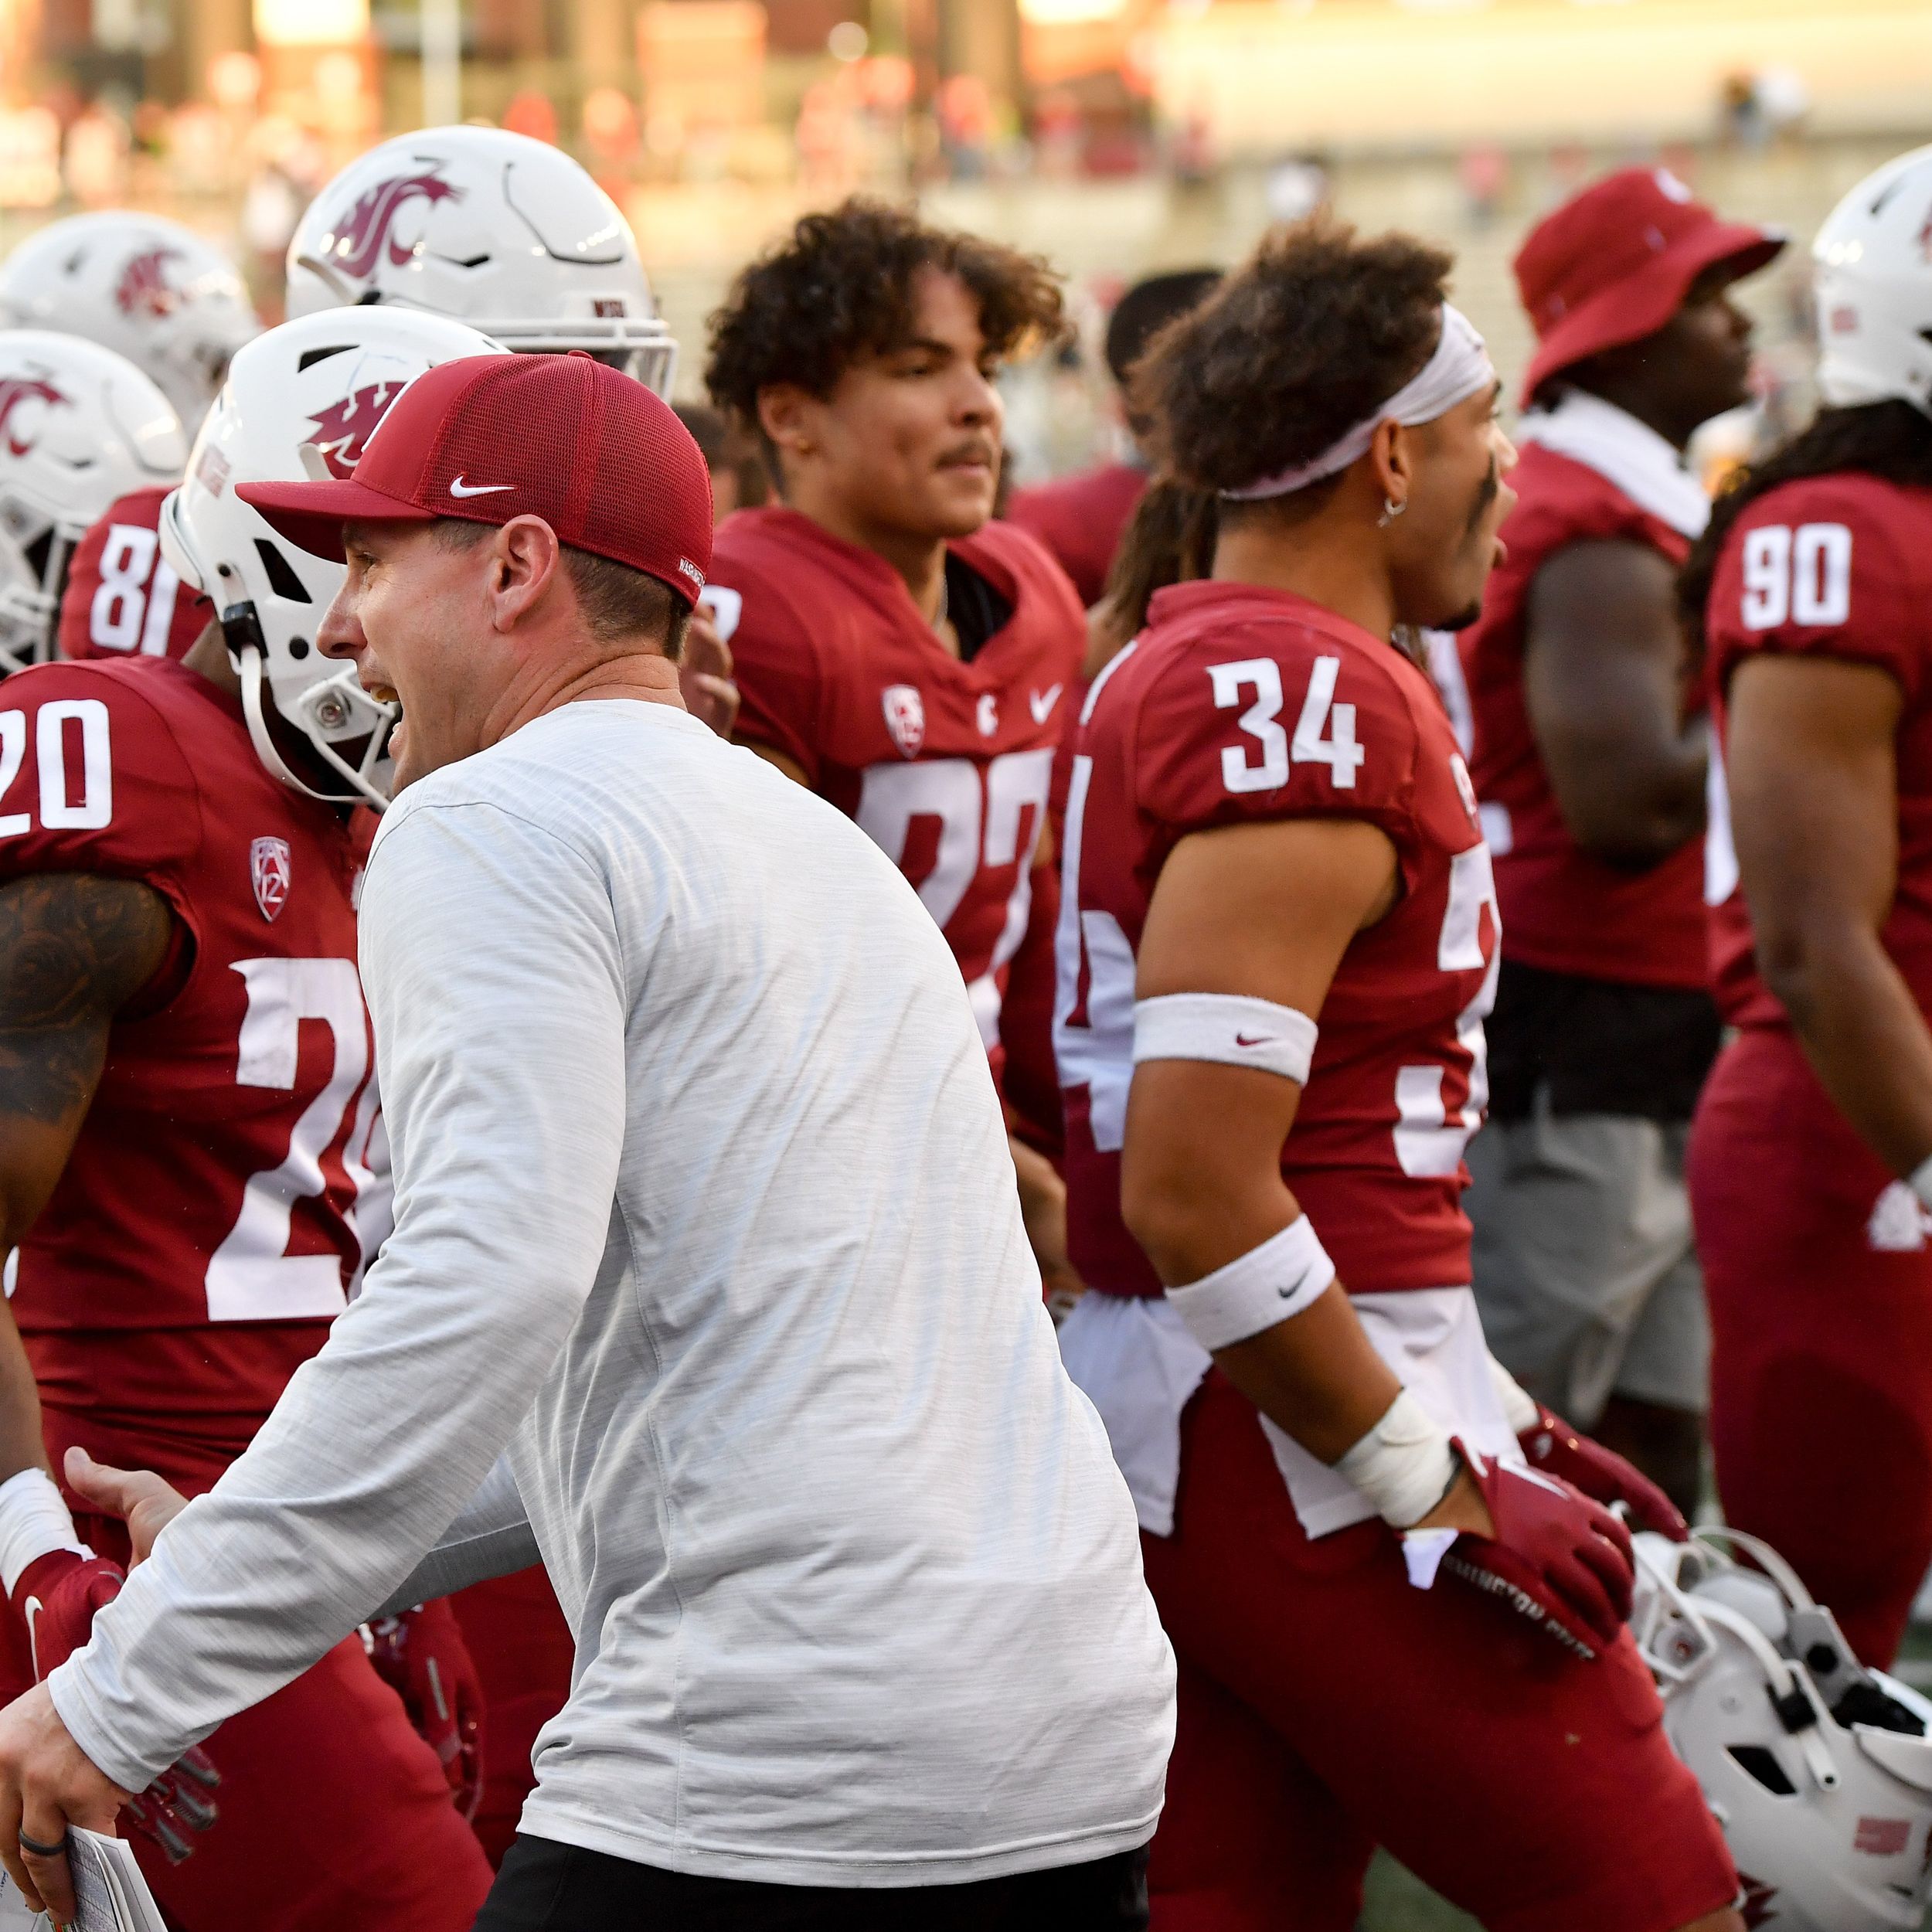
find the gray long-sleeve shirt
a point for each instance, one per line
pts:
(705, 1215)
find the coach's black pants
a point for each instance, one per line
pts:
(547, 1887)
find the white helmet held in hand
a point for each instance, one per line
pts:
(300, 401)
(151, 290)
(1819, 1771)
(80, 427)
(1873, 273)
(503, 232)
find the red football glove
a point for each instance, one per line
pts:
(422, 1657)
(55, 1599)
(1554, 1447)
(1556, 1557)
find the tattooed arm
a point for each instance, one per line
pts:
(73, 951)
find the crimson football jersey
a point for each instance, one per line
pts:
(1564, 910)
(205, 1230)
(1832, 566)
(1235, 704)
(122, 599)
(1081, 519)
(945, 763)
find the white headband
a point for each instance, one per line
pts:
(1459, 368)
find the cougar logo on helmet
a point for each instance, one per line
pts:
(16, 390)
(356, 241)
(344, 427)
(143, 288)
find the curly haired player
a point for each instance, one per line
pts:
(1395, 1619)
(899, 652)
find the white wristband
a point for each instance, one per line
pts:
(34, 1522)
(1228, 1028)
(1919, 1181)
(1520, 1409)
(1279, 1278)
(1404, 1465)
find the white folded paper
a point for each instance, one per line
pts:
(112, 1894)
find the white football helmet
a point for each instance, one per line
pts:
(1872, 275)
(503, 232)
(151, 290)
(1819, 1771)
(299, 402)
(80, 427)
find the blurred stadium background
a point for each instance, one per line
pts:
(1115, 137)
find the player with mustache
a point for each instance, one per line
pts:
(898, 652)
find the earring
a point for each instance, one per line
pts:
(1391, 509)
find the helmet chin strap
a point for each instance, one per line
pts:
(248, 662)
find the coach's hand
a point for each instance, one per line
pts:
(47, 1784)
(141, 1500)
(1600, 1474)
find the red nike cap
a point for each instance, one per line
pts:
(1613, 264)
(593, 452)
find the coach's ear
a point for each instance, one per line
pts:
(142, 1500)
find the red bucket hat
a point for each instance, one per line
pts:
(1613, 264)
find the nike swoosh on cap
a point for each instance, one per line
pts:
(459, 488)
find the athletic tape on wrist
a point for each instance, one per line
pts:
(1404, 1465)
(34, 1522)
(1227, 1028)
(1919, 1181)
(1279, 1278)
(1520, 1409)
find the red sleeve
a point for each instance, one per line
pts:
(121, 600)
(1818, 567)
(1277, 722)
(92, 780)
(774, 660)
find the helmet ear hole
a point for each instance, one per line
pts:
(1760, 1762)
(282, 579)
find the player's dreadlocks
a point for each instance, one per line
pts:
(840, 287)
(1891, 440)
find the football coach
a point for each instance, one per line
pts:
(706, 1228)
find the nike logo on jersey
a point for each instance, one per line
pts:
(1041, 703)
(459, 488)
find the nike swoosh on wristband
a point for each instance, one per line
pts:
(1258, 1039)
(459, 488)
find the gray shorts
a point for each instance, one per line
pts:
(1584, 1267)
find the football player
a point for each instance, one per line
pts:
(1396, 1622)
(79, 426)
(898, 652)
(191, 1168)
(1810, 1166)
(149, 289)
(1591, 778)
(174, 306)
(1081, 518)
